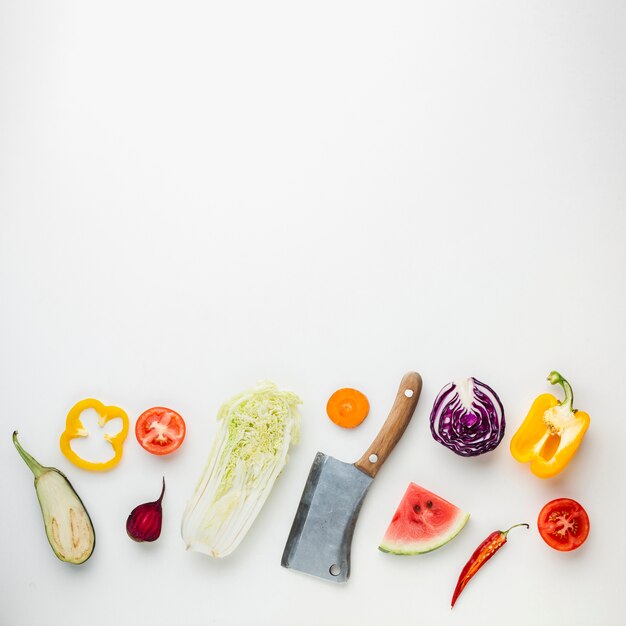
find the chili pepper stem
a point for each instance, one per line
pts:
(506, 532)
(555, 378)
(35, 467)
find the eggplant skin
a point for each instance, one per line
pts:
(68, 525)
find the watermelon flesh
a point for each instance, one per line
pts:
(423, 522)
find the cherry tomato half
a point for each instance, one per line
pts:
(563, 524)
(160, 430)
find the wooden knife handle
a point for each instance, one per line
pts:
(399, 418)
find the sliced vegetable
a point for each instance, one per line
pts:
(160, 430)
(468, 418)
(423, 522)
(74, 428)
(347, 407)
(563, 524)
(67, 523)
(249, 452)
(480, 556)
(144, 521)
(551, 433)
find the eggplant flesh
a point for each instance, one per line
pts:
(67, 523)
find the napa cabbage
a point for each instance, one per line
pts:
(250, 450)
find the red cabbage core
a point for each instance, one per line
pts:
(468, 418)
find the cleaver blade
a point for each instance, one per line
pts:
(321, 534)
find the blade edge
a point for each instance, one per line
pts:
(302, 512)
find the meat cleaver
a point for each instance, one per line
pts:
(321, 533)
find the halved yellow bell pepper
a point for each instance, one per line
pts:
(74, 428)
(551, 432)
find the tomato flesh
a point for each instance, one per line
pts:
(563, 524)
(160, 430)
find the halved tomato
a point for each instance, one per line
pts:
(160, 430)
(563, 524)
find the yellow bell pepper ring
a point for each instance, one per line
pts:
(74, 428)
(551, 433)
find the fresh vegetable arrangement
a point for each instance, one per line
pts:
(423, 522)
(74, 428)
(250, 450)
(468, 417)
(551, 433)
(480, 556)
(68, 525)
(256, 430)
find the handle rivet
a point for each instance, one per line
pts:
(373, 458)
(408, 393)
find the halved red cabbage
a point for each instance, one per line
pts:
(468, 417)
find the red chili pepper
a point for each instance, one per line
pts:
(481, 555)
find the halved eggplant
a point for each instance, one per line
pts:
(68, 525)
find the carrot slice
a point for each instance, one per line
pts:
(347, 407)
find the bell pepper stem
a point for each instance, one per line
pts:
(35, 467)
(506, 532)
(555, 378)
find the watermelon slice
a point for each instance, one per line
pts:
(423, 522)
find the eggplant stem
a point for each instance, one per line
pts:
(35, 467)
(506, 532)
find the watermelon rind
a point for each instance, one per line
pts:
(427, 546)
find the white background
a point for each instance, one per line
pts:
(198, 195)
